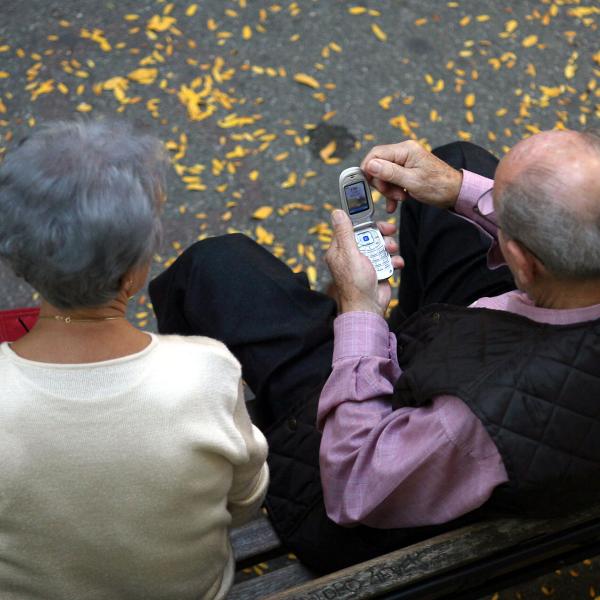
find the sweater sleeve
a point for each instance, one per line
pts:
(250, 477)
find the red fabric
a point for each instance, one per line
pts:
(17, 322)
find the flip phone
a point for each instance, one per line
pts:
(355, 196)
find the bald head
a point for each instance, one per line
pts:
(547, 196)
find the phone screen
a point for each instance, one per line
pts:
(356, 197)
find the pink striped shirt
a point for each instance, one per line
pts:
(412, 466)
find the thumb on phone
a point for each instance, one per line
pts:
(342, 230)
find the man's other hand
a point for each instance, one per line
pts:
(353, 274)
(407, 169)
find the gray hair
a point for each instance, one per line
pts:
(567, 241)
(80, 206)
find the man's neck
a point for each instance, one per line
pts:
(567, 294)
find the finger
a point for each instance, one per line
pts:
(386, 228)
(388, 171)
(389, 190)
(397, 262)
(391, 245)
(391, 205)
(396, 153)
(343, 232)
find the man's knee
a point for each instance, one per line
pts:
(222, 249)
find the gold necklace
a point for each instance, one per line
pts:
(69, 319)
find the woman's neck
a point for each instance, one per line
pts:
(81, 336)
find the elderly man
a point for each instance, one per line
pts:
(484, 397)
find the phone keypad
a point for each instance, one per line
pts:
(371, 244)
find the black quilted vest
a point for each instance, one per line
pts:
(535, 387)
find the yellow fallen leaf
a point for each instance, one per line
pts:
(4, 74)
(311, 273)
(305, 79)
(290, 181)
(263, 236)
(190, 11)
(438, 87)
(385, 102)
(531, 70)
(328, 150)
(469, 100)
(511, 25)
(2, 107)
(161, 23)
(596, 57)
(529, 41)
(551, 92)
(44, 88)
(144, 76)
(584, 11)
(253, 175)
(234, 120)
(570, 71)
(246, 32)
(84, 107)
(262, 213)
(97, 36)
(281, 156)
(357, 10)
(379, 33)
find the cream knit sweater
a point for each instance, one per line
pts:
(119, 479)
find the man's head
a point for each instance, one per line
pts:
(547, 198)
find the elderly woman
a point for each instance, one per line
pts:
(126, 455)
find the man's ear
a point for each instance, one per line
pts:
(526, 266)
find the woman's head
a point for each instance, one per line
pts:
(79, 208)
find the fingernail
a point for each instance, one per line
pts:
(337, 216)
(374, 166)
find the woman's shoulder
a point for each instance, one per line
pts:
(195, 346)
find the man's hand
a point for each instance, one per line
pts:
(407, 169)
(353, 273)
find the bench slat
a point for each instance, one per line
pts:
(271, 583)
(255, 542)
(431, 557)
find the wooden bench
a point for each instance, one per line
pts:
(466, 563)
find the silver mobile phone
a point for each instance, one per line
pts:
(355, 196)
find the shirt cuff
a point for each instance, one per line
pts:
(360, 333)
(472, 188)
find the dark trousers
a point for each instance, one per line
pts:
(232, 289)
